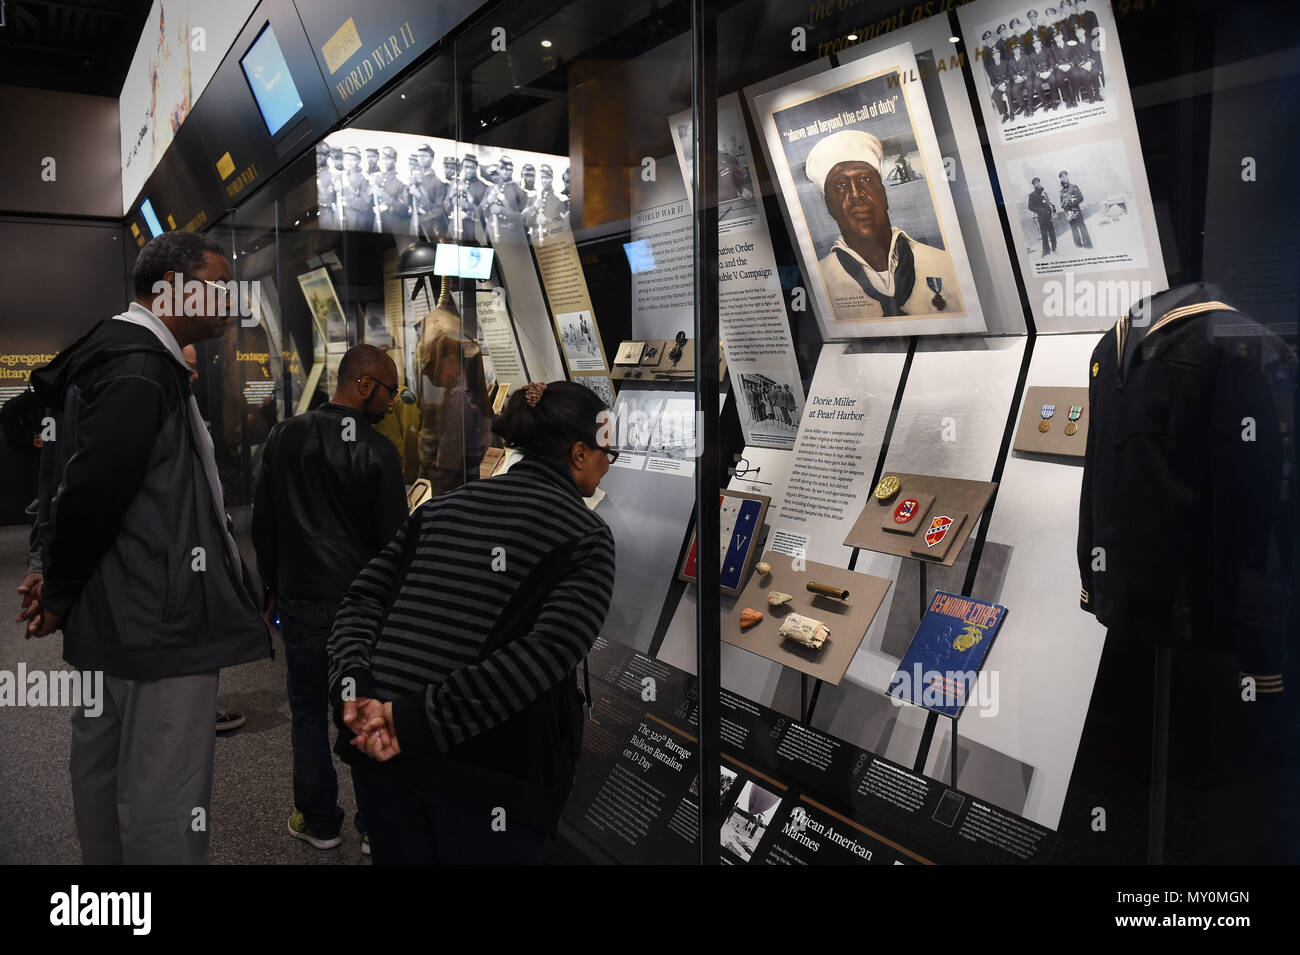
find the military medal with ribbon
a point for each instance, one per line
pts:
(1046, 424)
(1073, 427)
(936, 286)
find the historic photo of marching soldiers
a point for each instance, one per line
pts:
(1039, 65)
(436, 189)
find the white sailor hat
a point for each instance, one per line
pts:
(845, 146)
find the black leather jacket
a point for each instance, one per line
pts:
(329, 497)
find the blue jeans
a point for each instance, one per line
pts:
(305, 629)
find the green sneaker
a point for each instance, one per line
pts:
(298, 829)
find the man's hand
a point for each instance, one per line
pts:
(30, 591)
(269, 613)
(43, 623)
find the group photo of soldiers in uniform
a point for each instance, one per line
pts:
(770, 401)
(360, 189)
(1044, 63)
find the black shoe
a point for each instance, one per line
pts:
(228, 720)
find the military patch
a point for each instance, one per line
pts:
(938, 530)
(906, 510)
(1096, 367)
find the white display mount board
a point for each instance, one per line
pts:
(1028, 565)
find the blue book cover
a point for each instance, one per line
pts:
(940, 670)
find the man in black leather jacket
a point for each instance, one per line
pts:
(329, 497)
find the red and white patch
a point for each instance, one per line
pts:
(906, 510)
(938, 530)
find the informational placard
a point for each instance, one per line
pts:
(752, 320)
(1056, 104)
(864, 189)
(566, 289)
(791, 794)
(835, 453)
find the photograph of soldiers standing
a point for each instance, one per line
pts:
(359, 189)
(1053, 62)
(1072, 206)
(1041, 206)
(769, 401)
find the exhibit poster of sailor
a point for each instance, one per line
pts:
(1042, 68)
(863, 186)
(1076, 210)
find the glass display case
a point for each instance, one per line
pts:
(856, 284)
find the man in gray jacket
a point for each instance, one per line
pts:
(141, 572)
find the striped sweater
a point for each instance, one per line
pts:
(474, 548)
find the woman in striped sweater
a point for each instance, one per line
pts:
(453, 657)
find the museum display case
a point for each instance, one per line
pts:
(932, 317)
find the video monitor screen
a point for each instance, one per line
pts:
(268, 77)
(151, 218)
(466, 261)
(640, 255)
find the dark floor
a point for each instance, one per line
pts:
(252, 793)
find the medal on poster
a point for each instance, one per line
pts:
(1047, 411)
(887, 488)
(936, 286)
(1073, 427)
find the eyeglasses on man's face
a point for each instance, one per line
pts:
(392, 389)
(224, 292)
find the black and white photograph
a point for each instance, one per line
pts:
(774, 404)
(436, 189)
(600, 385)
(864, 188)
(1077, 210)
(737, 202)
(749, 819)
(673, 435)
(634, 420)
(1042, 68)
(725, 778)
(581, 341)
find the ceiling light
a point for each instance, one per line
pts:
(546, 43)
(853, 36)
(953, 39)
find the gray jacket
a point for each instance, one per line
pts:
(137, 558)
